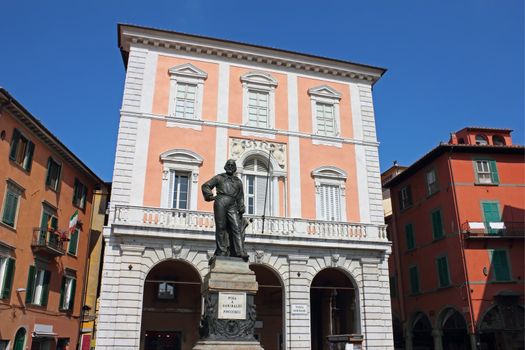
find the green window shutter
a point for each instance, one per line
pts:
(491, 214)
(45, 288)
(500, 265)
(30, 285)
(62, 293)
(409, 231)
(409, 195)
(11, 203)
(437, 227)
(414, 280)
(28, 160)
(73, 243)
(48, 177)
(8, 281)
(493, 172)
(75, 192)
(72, 299)
(54, 222)
(45, 218)
(14, 144)
(444, 279)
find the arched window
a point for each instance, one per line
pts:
(180, 178)
(258, 186)
(330, 193)
(481, 140)
(498, 140)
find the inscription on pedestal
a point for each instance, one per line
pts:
(232, 306)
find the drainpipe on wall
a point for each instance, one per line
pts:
(461, 248)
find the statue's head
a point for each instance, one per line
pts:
(230, 167)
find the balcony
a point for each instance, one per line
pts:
(494, 230)
(47, 242)
(274, 227)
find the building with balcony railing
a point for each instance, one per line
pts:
(458, 229)
(301, 129)
(43, 248)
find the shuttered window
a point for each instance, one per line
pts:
(53, 174)
(325, 118)
(486, 172)
(437, 224)
(405, 197)
(409, 232)
(37, 290)
(185, 100)
(22, 149)
(10, 206)
(500, 266)
(79, 194)
(7, 270)
(258, 108)
(73, 243)
(414, 280)
(432, 182)
(255, 179)
(67, 293)
(442, 268)
(330, 202)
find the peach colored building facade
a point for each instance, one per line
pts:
(42, 267)
(302, 131)
(458, 229)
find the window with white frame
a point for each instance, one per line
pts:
(7, 266)
(12, 197)
(486, 171)
(179, 189)
(259, 99)
(37, 286)
(67, 292)
(432, 183)
(186, 91)
(180, 179)
(325, 110)
(330, 184)
(257, 186)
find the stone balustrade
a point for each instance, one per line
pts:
(189, 220)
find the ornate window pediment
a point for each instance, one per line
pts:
(258, 101)
(265, 80)
(330, 186)
(324, 91)
(188, 70)
(181, 156)
(325, 110)
(186, 92)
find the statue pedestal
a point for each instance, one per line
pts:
(229, 310)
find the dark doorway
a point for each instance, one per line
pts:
(455, 335)
(269, 308)
(333, 307)
(422, 333)
(155, 340)
(20, 338)
(171, 307)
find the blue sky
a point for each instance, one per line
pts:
(450, 64)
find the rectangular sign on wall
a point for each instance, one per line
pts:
(299, 309)
(232, 306)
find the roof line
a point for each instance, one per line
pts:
(53, 138)
(120, 25)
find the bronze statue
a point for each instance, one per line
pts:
(228, 210)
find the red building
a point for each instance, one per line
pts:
(457, 228)
(43, 248)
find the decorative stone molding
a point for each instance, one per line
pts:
(259, 255)
(326, 95)
(240, 149)
(335, 260)
(330, 176)
(188, 44)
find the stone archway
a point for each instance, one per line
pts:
(454, 334)
(502, 326)
(20, 339)
(171, 307)
(333, 307)
(269, 307)
(422, 333)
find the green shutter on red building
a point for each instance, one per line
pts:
(30, 289)
(72, 299)
(11, 203)
(409, 231)
(414, 280)
(442, 266)
(8, 281)
(28, 160)
(493, 172)
(500, 265)
(45, 288)
(437, 226)
(73, 243)
(14, 144)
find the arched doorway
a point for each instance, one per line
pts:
(171, 307)
(502, 327)
(422, 333)
(454, 328)
(333, 307)
(20, 339)
(269, 308)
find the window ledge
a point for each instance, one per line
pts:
(3, 224)
(19, 166)
(503, 282)
(440, 288)
(327, 141)
(437, 239)
(432, 194)
(485, 184)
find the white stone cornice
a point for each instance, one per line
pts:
(133, 35)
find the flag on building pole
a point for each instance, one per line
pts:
(73, 222)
